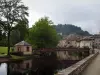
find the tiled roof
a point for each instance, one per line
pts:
(23, 43)
(87, 38)
(73, 37)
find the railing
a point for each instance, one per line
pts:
(62, 49)
(77, 68)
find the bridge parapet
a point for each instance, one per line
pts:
(77, 68)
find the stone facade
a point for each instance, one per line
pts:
(97, 41)
(77, 41)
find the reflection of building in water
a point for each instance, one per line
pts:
(21, 67)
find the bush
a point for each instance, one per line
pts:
(17, 53)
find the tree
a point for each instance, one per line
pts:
(42, 34)
(0, 34)
(15, 38)
(11, 11)
(67, 29)
(21, 29)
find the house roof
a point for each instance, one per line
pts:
(73, 37)
(88, 38)
(23, 43)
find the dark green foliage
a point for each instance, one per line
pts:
(42, 34)
(67, 29)
(15, 37)
(21, 29)
(0, 34)
(11, 12)
(3, 41)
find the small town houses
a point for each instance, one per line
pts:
(77, 41)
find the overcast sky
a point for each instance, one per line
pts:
(83, 13)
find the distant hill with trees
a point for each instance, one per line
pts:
(67, 29)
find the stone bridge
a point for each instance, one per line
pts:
(88, 66)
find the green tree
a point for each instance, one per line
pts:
(67, 29)
(15, 38)
(21, 29)
(42, 34)
(0, 35)
(11, 11)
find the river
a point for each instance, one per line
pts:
(37, 66)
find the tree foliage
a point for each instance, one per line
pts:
(67, 29)
(42, 34)
(21, 29)
(11, 11)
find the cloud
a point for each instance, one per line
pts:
(83, 13)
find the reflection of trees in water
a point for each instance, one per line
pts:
(47, 64)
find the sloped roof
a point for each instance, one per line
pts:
(23, 43)
(73, 37)
(87, 38)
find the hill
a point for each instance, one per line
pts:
(67, 29)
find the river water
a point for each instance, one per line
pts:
(43, 66)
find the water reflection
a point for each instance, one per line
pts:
(36, 66)
(3, 69)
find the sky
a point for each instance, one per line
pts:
(82, 13)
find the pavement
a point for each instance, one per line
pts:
(93, 68)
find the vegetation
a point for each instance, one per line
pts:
(42, 34)
(11, 12)
(67, 29)
(3, 50)
(17, 57)
(21, 29)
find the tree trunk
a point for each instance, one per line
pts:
(8, 69)
(8, 38)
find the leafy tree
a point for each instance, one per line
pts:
(15, 38)
(11, 11)
(42, 34)
(67, 29)
(0, 34)
(2, 38)
(21, 29)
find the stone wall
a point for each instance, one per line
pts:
(77, 68)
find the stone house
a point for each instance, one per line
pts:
(87, 42)
(96, 41)
(71, 40)
(62, 43)
(23, 47)
(77, 41)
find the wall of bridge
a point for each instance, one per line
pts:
(77, 68)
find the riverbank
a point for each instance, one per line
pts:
(11, 58)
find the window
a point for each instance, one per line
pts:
(68, 42)
(27, 65)
(19, 49)
(65, 52)
(28, 49)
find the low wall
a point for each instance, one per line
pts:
(77, 68)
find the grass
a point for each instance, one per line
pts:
(3, 51)
(17, 57)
